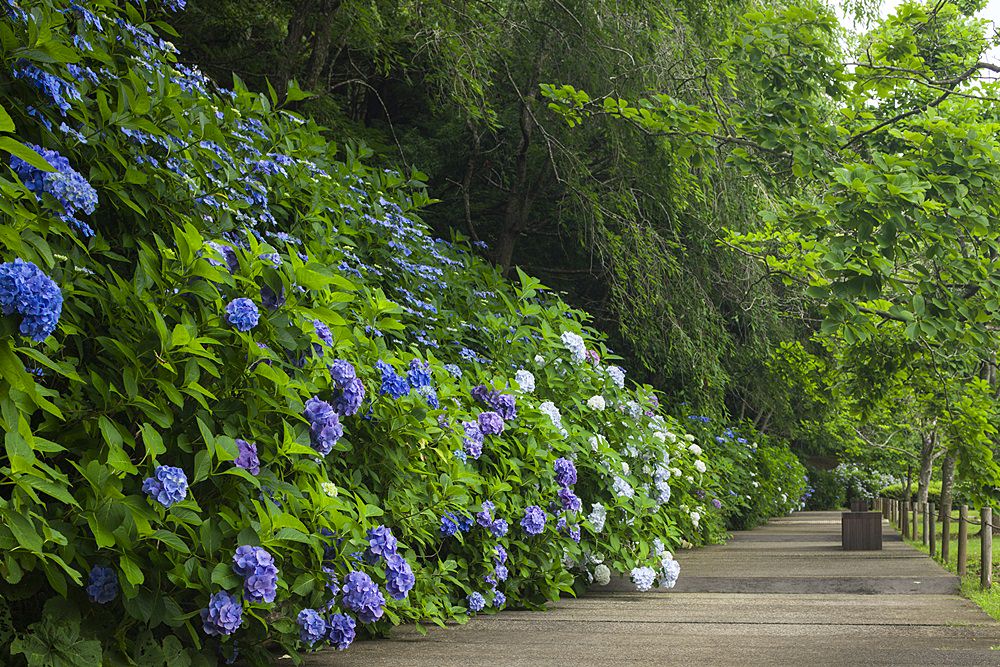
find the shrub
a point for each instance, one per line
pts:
(267, 408)
(828, 490)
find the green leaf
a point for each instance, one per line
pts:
(6, 123)
(27, 154)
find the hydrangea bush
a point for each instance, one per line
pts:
(251, 404)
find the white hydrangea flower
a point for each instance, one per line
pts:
(677, 472)
(549, 408)
(695, 449)
(663, 491)
(755, 484)
(329, 488)
(597, 517)
(597, 402)
(700, 466)
(625, 468)
(595, 443)
(660, 435)
(658, 547)
(669, 572)
(689, 437)
(643, 578)
(539, 360)
(574, 343)
(602, 575)
(617, 376)
(671, 436)
(622, 488)
(525, 380)
(695, 518)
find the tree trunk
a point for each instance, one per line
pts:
(947, 481)
(297, 27)
(321, 42)
(927, 456)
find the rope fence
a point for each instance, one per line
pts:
(904, 515)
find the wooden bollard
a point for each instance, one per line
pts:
(963, 540)
(986, 548)
(904, 518)
(913, 524)
(932, 536)
(923, 523)
(945, 532)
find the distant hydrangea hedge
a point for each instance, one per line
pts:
(251, 404)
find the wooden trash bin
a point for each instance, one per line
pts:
(861, 531)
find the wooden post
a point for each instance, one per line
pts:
(932, 537)
(945, 532)
(963, 540)
(913, 524)
(986, 548)
(904, 519)
(923, 523)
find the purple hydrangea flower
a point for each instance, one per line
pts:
(242, 313)
(569, 500)
(482, 394)
(27, 291)
(499, 599)
(350, 398)
(717, 503)
(476, 602)
(498, 528)
(473, 440)
(392, 384)
(501, 554)
(500, 571)
(449, 525)
(485, 517)
(223, 616)
(565, 472)
(102, 586)
(260, 574)
(490, 423)
(247, 458)
(325, 428)
(167, 486)
(342, 371)
(361, 595)
(381, 543)
(534, 520)
(312, 626)
(323, 332)
(399, 577)
(506, 406)
(341, 631)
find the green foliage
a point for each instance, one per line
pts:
(206, 196)
(828, 490)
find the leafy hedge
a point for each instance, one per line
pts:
(250, 403)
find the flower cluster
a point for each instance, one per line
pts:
(393, 385)
(65, 184)
(27, 291)
(102, 586)
(260, 574)
(574, 343)
(362, 596)
(325, 428)
(242, 313)
(312, 626)
(167, 486)
(525, 381)
(247, 457)
(534, 520)
(350, 388)
(472, 441)
(223, 616)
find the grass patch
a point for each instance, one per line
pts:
(987, 600)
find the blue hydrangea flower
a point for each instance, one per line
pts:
(565, 472)
(476, 602)
(312, 626)
(461, 455)
(27, 291)
(65, 184)
(167, 486)
(361, 595)
(260, 574)
(449, 525)
(501, 554)
(341, 631)
(485, 517)
(381, 543)
(419, 374)
(498, 528)
(499, 599)
(102, 586)
(242, 313)
(59, 91)
(247, 457)
(392, 384)
(399, 577)
(454, 371)
(500, 571)
(228, 255)
(325, 428)
(490, 423)
(534, 520)
(223, 616)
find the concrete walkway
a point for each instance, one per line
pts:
(783, 594)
